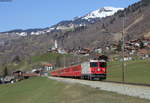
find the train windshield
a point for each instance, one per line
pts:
(103, 64)
(93, 64)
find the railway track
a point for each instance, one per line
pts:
(127, 83)
(130, 89)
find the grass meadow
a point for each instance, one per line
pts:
(44, 90)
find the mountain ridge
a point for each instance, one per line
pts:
(87, 19)
(100, 34)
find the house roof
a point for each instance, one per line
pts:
(143, 51)
(17, 72)
(47, 65)
(148, 46)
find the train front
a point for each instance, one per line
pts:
(98, 69)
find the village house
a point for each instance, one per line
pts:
(143, 53)
(48, 67)
(98, 50)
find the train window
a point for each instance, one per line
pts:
(93, 64)
(75, 69)
(67, 70)
(103, 64)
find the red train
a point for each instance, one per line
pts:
(87, 70)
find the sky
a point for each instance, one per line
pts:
(25, 14)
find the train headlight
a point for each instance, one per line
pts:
(99, 69)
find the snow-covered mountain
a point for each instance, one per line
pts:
(102, 13)
(89, 18)
(79, 21)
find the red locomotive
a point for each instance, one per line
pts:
(87, 70)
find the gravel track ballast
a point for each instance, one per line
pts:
(130, 90)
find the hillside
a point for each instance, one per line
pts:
(35, 62)
(102, 33)
(109, 29)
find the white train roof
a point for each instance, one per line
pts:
(97, 61)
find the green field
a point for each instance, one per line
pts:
(35, 62)
(44, 90)
(135, 71)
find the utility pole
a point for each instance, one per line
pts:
(123, 49)
(64, 61)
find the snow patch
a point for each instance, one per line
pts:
(102, 13)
